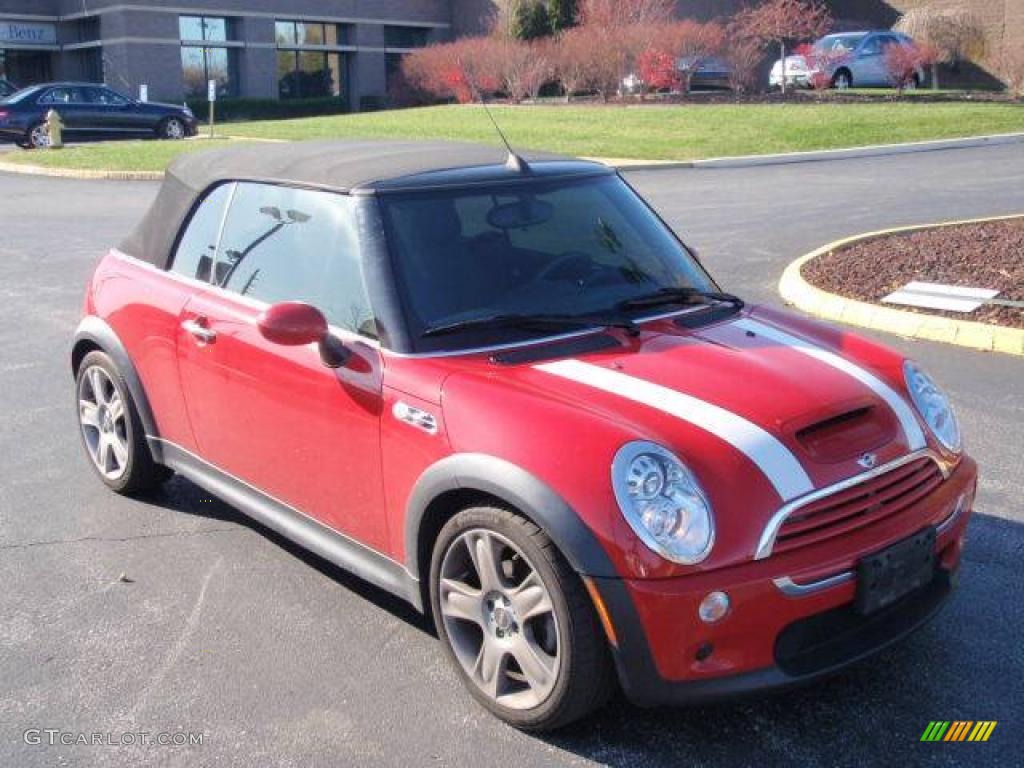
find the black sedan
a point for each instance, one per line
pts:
(88, 110)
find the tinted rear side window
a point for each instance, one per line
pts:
(198, 244)
(286, 244)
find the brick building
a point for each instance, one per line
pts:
(288, 49)
(251, 48)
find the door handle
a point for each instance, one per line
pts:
(199, 331)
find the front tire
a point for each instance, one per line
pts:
(172, 129)
(516, 621)
(842, 80)
(111, 430)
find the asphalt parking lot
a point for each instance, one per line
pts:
(277, 658)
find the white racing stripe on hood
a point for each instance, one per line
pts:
(779, 465)
(908, 421)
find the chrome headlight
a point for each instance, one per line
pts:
(933, 405)
(663, 502)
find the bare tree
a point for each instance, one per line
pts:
(777, 21)
(618, 14)
(955, 34)
(571, 60)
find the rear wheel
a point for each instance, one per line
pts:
(172, 128)
(516, 621)
(38, 137)
(111, 430)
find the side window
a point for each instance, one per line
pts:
(198, 244)
(106, 97)
(61, 96)
(285, 244)
(884, 41)
(872, 47)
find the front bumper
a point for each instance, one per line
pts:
(773, 636)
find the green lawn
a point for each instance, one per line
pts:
(666, 133)
(113, 155)
(645, 133)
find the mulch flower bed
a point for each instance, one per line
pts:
(986, 255)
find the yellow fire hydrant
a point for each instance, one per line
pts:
(55, 129)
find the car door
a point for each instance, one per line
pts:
(115, 113)
(275, 416)
(869, 63)
(70, 104)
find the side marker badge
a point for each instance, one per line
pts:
(415, 417)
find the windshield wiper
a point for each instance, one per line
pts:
(671, 295)
(538, 321)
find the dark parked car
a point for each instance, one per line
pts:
(88, 110)
(6, 88)
(711, 73)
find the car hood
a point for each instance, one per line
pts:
(795, 409)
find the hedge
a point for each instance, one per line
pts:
(265, 109)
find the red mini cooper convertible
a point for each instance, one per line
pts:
(507, 393)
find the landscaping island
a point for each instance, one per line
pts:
(979, 255)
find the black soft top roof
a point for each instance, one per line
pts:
(359, 167)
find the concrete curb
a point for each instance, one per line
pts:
(787, 158)
(75, 173)
(915, 325)
(849, 153)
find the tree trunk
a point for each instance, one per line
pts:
(782, 47)
(935, 75)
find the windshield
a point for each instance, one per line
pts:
(838, 43)
(565, 247)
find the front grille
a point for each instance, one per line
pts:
(875, 499)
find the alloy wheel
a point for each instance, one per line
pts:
(500, 619)
(174, 129)
(40, 137)
(103, 419)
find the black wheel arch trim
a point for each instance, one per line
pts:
(96, 332)
(515, 486)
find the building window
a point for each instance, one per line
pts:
(87, 29)
(405, 37)
(307, 67)
(90, 64)
(24, 68)
(301, 34)
(206, 56)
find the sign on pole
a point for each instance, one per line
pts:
(144, 93)
(211, 96)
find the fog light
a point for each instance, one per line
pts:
(713, 607)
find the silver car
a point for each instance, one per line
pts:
(846, 59)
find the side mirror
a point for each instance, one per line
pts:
(295, 324)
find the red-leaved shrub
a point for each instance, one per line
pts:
(905, 63)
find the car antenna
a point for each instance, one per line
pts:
(514, 162)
